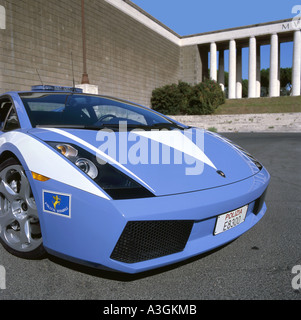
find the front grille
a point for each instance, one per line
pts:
(146, 240)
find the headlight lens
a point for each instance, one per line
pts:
(115, 183)
(246, 153)
(87, 167)
(67, 150)
(253, 159)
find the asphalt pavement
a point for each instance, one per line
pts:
(257, 266)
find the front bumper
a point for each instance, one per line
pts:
(114, 234)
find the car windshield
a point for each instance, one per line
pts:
(89, 112)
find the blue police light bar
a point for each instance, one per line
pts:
(56, 89)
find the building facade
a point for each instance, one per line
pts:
(129, 53)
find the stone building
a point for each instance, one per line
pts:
(129, 53)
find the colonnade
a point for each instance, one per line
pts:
(217, 66)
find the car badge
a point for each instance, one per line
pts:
(221, 173)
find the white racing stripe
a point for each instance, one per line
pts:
(100, 153)
(42, 160)
(178, 141)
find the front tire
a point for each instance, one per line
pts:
(20, 232)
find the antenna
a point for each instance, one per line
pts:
(72, 70)
(40, 78)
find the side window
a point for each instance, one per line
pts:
(12, 122)
(5, 107)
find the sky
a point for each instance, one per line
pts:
(188, 17)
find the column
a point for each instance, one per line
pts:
(221, 69)
(213, 61)
(232, 70)
(252, 67)
(274, 68)
(239, 74)
(279, 68)
(296, 72)
(258, 72)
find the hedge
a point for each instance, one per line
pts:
(185, 99)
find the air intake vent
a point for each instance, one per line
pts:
(146, 240)
(259, 203)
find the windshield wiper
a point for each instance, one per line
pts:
(114, 127)
(167, 126)
(58, 126)
(80, 127)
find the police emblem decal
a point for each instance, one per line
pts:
(57, 203)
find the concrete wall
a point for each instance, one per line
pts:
(269, 122)
(192, 66)
(124, 58)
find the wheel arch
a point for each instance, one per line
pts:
(8, 150)
(6, 155)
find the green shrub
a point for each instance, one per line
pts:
(185, 99)
(171, 99)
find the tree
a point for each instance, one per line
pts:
(285, 77)
(265, 78)
(245, 88)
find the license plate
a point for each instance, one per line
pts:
(230, 220)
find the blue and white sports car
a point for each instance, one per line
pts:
(117, 186)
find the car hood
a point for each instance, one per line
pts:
(166, 162)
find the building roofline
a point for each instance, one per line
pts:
(236, 28)
(140, 15)
(132, 4)
(135, 12)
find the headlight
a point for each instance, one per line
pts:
(88, 167)
(247, 154)
(67, 150)
(243, 151)
(71, 153)
(112, 181)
